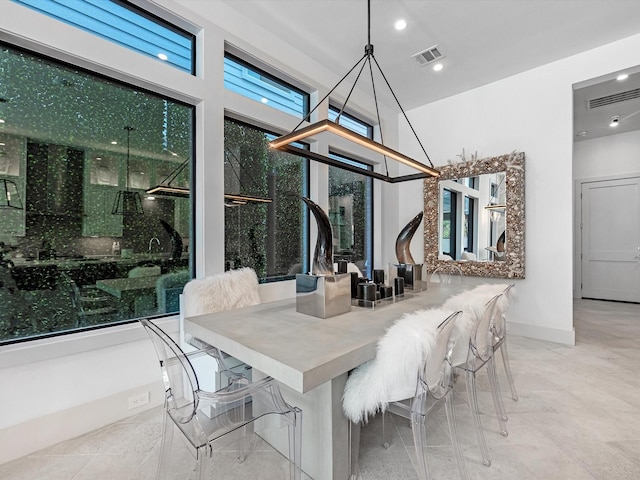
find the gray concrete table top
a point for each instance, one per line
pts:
(303, 351)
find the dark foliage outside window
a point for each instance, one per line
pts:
(351, 214)
(268, 237)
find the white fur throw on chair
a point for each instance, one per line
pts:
(393, 374)
(225, 291)
(472, 304)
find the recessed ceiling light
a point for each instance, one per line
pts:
(583, 133)
(400, 24)
(163, 56)
(437, 67)
(622, 76)
(264, 100)
(615, 121)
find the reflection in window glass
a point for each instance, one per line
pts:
(351, 214)
(268, 237)
(66, 262)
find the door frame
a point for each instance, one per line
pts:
(577, 217)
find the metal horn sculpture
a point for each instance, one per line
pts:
(176, 240)
(323, 255)
(403, 252)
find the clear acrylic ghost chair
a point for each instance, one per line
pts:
(479, 355)
(434, 388)
(448, 273)
(209, 420)
(500, 338)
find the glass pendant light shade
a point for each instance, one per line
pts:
(127, 203)
(9, 196)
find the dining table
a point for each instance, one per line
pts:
(129, 289)
(311, 358)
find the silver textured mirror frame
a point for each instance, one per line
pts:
(513, 165)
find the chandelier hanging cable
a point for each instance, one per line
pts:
(166, 187)
(239, 199)
(284, 143)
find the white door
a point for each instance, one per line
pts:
(611, 239)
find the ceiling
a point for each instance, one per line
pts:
(483, 41)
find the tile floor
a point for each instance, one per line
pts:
(578, 418)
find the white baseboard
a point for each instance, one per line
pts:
(28, 437)
(565, 337)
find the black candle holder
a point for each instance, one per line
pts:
(398, 285)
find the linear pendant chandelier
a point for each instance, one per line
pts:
(166, 188)
(284, 143)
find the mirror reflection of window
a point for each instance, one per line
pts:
(468, 244)
(448, 231)
(467, 229)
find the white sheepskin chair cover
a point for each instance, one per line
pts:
(392, 375)
(225, 291)
(472, 304)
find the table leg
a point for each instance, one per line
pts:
(325, 429)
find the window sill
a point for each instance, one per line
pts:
(23, 353)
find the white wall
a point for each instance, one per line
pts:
(606, 156)
(530, 112)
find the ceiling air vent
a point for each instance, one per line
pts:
(615, 98)
(428, 56)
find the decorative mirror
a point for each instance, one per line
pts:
(474, 217)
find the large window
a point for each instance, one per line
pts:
(251, 82)
(122, 23)
(71, 145)
(351, 214)
(266, 224)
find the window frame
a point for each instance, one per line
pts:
(90, 331)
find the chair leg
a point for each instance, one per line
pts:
(295, 445)
(386, 430)
(419, 429)
(507, 369)
(200, 461)
(165, 446)
(354, 447)
(496, 394)
(475, 415)
(455, 438)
